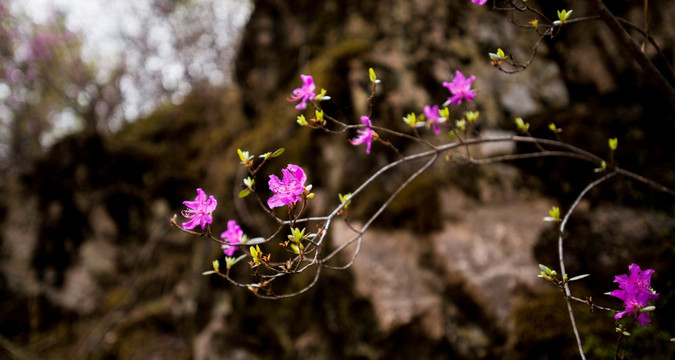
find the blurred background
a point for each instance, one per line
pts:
(113, 113)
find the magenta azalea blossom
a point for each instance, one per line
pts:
(460, 87)
(232, 236)
(431, 112)
(365, 135)
(305, 93)
(634, 302)
(199, 210)
(289, 189)
(634, 290)
(479, 2)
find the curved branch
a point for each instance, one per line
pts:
(566, 287)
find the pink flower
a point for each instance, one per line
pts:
(634, 302)
(635, 292)
(232, 236)
(479, 2)
(199, 210)
(305, 93)
(288, 190)
(434, 118)
(460, 87)
(365, 135)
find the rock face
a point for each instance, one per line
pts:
(448, 271)
(483, 254)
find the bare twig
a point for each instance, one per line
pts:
(634, 49)
(561, 255)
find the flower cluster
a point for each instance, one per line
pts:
(634, 289)
(479, 2)
(199, 210)
(288, 190)
(459, 87)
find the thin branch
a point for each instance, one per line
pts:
(560, 149)
(561, 233)
(634, 49)
(379, 211)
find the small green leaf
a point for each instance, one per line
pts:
(499, 55)
(579, 277)
(278, 152)
(545, 269)
(296, 248)
(297, 235)
(244, 193)
(647, 309)
(242, 156)
(256, 254)
(444, 112)
(210, 272)
(230, 261)
(256, 241)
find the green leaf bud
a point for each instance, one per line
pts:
(460, 124)
(613, 143)
(373, 77)
(471, 116)
(302, 121)
(244, 156)
(522, 125)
